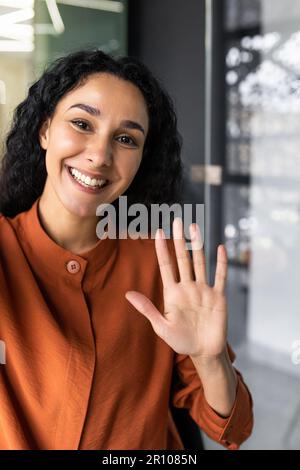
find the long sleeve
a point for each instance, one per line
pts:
(187, 392)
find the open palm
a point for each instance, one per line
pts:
(194, 320)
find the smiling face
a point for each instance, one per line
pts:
(94, 143)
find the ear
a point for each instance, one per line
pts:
(44, 134)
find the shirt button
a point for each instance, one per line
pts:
(73, 266)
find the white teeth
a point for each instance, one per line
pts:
(87, 179)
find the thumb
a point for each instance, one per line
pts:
(148, 309)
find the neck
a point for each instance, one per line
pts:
(72, 232)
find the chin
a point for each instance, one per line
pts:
(79, 208)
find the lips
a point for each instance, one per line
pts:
(87, 173)
(82, 187)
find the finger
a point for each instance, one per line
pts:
(221, 269)
(198, 254)
(164, 259)
(148, 309)
(182, 255)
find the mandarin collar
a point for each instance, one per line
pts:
(54, 260)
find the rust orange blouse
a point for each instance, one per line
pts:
(84, 369)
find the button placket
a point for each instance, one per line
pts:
(82, 366)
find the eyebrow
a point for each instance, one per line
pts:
(96, 112)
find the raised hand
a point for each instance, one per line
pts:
(194, 320)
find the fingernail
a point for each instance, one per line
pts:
(194, 231)
(160, 233)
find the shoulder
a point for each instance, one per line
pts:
(9, 228)
(7, 221)
(4, 222)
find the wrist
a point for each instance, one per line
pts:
(210, 367)
(210, 361)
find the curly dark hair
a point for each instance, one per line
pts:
(23, 172)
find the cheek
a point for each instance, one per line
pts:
(65, 142)
(130, 165)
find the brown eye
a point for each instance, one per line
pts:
(84, 126)
(131, 141)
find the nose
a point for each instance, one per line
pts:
(100, 152)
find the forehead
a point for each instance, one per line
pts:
(111, 94)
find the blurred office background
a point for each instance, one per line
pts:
(233, 70)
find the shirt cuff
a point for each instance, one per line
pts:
(233, 430)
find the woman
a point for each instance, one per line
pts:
(95, 329)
